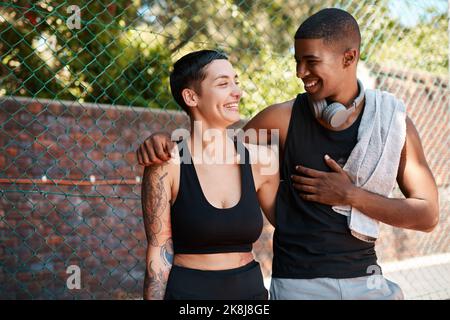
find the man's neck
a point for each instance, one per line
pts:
(347, 93)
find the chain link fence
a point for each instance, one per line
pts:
(83, 84)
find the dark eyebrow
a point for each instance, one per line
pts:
(310, 56)
(224, 76)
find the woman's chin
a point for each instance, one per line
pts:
(231, 116)
(232, 120)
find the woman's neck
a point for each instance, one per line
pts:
(212, 145)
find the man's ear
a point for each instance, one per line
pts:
(350, 57)
(189, 97)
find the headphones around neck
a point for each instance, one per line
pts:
(335, 114)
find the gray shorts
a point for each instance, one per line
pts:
(361, 288)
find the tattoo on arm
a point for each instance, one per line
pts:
(154, 202)
(156, 277)
(167, 252)
(155, 283)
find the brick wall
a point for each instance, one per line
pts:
(47, 226)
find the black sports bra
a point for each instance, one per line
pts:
(198, 227)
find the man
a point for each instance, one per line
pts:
(318, 252)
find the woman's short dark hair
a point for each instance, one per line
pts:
(189, 72)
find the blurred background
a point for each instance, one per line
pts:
(81, 86)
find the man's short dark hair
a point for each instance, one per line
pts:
(334, 26)
(189, 72)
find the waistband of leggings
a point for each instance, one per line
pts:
(249, 266)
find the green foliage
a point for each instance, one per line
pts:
(124, 50)
(423, 47)
(106, 61)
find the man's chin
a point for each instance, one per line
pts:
(319, 95)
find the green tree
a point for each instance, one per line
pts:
(106, 61)
(124, 50)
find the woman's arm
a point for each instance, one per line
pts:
(267, 195)
(267, 177)
(156, 196)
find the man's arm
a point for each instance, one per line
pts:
(157, 148)
(420, 209)
(274, 117)
(156, 195)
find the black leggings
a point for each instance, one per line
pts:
(243, 283)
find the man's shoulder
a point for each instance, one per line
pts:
(275, 116)
(387, 99)
(285, 106)
(277, 113)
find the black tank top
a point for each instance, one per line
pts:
(310, 239)
(198, 227)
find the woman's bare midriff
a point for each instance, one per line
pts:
(216, 261)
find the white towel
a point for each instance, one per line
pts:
(374, 161)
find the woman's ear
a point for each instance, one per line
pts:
(189, 97)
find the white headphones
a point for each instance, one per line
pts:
(336, 113)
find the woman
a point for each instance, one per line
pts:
(202, 214)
